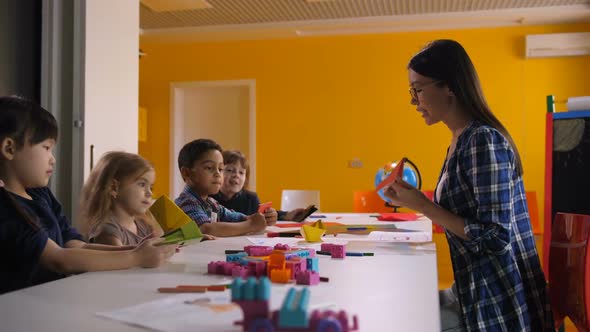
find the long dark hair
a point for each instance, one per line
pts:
(447, 61)
(26, 123)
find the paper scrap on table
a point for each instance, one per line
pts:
(180, 313)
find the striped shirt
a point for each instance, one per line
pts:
(500, 284)
(201, 210)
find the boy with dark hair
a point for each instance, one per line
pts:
(201, 165)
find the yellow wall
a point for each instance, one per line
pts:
(323, 101)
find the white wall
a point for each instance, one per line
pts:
(218, 113)
(111, 77)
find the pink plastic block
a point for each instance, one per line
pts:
(296, 264)
(258, 250)
(338, 251)
(307, 278)
(327, 247)
(239, 271)
(213, 267)
(280, 246)
(227, 268)
(257, 268)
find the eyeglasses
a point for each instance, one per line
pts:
(414, 91)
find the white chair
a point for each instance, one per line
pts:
(293, 199)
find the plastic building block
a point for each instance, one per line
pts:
(254, 304)
(307, 278)
(296, 264)
(237, 290)
(338, 251)
(239, 271)
(276, 261)
(235, 257)
(280, 246)
(293, 312)
(258, 250)
(212, 267)
(257, 268)
(227, 268)
(253, 297)
(327, 247)
(263, 290)
(281, 276)
(250, 289)
(313, 264)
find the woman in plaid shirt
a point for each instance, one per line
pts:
(479, 199)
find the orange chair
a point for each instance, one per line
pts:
(369, 202)
(569, 269)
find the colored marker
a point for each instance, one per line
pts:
(282, 234)
(232, 251)
(354, 254)
(326, 253)
(182, 290)
(357, 228)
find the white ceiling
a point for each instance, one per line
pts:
(173, 20)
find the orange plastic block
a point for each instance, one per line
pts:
(281, 276)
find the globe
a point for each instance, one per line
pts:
(410, 175)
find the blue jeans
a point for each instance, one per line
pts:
(451, 318)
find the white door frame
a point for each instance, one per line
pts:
(176, 118)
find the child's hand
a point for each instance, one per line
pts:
(1, 183)
(294, 214)
(271, 216)
(208, 237)
(257, 222)
(149, 254)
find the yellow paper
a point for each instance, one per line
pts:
(313, 232)
(168, 214)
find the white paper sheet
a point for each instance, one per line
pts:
(203, 312)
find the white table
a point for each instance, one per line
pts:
(396, 290)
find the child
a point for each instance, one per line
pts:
(116, 198)
(232, 194)
(201, 165)
(36, 239)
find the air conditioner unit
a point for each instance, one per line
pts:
(558, 44)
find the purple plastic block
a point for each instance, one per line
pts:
(327, 247)
(239, 271)
(257, 268)
(253, 310)
(338, 251)
(307, 278)
(343, 319)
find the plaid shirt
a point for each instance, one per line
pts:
(200, 210)
(500, 284)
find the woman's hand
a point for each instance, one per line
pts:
(404, 194)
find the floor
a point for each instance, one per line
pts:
(445, 270)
